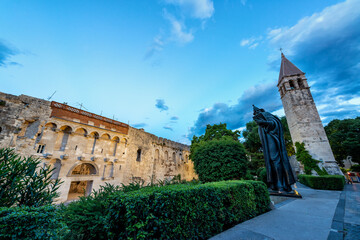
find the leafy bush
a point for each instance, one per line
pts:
(262, 175)
(218, 160)
(355, 168)
(249, 176)
(31, 223)
(303, 156)
(85, 218)
(344, 138)
(184, 211)
(24, 182)
(327, 182)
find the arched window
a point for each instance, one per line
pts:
(116, 141)
(84, 169)
(81, 131)
(51, 126)
(95, 135)
(301, 83)
(66, 130)
(105, 136)
(292, 86)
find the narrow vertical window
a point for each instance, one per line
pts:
(116, 141)
(96, 136)
(64, 141)
(41, 148)
(138, 157)
(292, 86)
(57, 167)
(111, 174)
(301, 83)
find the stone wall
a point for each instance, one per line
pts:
(87, 152)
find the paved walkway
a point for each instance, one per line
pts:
(352, 212)
(320, 214)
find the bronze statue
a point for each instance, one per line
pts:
(278, 169)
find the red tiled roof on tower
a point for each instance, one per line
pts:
(287, 68)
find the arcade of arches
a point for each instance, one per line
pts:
(86, 149)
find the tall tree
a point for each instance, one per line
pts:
(218, 154)
(344, 138)
(216, 131)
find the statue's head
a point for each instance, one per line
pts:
(257, 110)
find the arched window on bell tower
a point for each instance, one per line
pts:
(292, 85)
(301, 83)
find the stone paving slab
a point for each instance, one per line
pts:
(308, 218)
(352, 212)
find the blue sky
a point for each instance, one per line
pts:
(173, 66)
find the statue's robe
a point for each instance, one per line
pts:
(278, 168)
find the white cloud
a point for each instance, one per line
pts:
(253, 46)
(156, 46)
(251, 43)
(325, 23)
(197, 9)
(201, 9)
(178, 30)
(326, 45)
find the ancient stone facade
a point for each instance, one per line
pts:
(87, 150)
(302, 116)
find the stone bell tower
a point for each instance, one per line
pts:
(302, 116)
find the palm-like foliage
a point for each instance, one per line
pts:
(24, 182)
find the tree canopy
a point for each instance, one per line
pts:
(218, 154)
(344, 138)
(216, 131)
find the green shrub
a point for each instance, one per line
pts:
(184, 211)
(31, 223)
(327, 182)
(85, 218)
(262, 175)
(23, 181)
(303, 156)
(219, 160)
(355, 168)
(248, 176)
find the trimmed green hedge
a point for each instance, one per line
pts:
(184, 211)
(326, 182)
(31, 223)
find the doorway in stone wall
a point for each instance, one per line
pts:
(79, 188)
